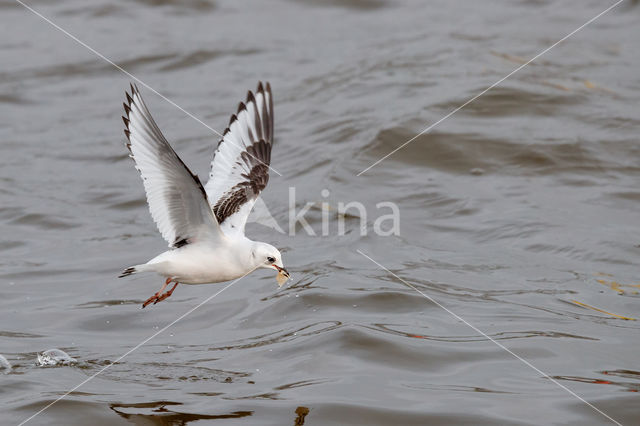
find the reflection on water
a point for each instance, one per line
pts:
(519, 213)
(163, 412)
(301, 413)
(627, 386)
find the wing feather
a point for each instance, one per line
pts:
(177, 200)
(240, 166)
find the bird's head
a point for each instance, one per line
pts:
(267, 256)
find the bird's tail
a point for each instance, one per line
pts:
(133, 270)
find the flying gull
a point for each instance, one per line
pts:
(204, 225)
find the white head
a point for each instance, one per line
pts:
(267, 256)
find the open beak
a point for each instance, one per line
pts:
(282, 276)
(282, 271)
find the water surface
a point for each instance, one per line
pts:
(519, 213)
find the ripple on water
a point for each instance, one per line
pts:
(506, 101)
(169, 372)
(349, 4)
(183, 6)
(478, 154)
(499, 205)
(367, 302)
(43, 221)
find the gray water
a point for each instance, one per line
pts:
(519, 213)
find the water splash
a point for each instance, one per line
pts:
(55, 357)
(5, 365)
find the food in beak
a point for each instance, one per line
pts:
(282, 276)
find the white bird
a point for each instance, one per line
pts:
(204, 226)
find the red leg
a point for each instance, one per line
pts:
(167, 294)
(155, 297)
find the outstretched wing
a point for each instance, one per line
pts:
(240, 166)
(177, 201)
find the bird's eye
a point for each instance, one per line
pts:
(271, 259)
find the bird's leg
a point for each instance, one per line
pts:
(167, 294)
(155, 297)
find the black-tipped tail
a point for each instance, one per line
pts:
(127, 272)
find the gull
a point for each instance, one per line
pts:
(204, 225)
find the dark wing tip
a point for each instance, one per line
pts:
(127, 110)
(241, 107)
(250, 98)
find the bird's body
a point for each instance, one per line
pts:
(204, 225)
(203, 263)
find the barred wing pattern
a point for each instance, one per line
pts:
(240, 166)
